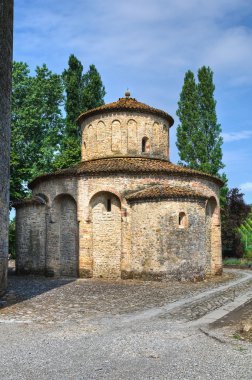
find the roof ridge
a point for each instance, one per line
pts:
(128, 164)
(124, 104)
(164, 191)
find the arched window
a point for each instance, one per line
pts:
(145, 145)
(182, 220)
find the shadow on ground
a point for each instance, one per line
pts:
(21, 288)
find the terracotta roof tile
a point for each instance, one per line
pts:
(125, 104)
(127, 165)
(28, 201)
(164, 192)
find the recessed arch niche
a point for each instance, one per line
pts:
(105, 210)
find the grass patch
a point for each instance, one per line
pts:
(245, 263)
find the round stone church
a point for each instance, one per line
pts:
(125, 211)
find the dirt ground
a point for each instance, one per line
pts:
(235, 321)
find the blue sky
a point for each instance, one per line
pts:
(147, 46)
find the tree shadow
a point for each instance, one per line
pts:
(24, 287)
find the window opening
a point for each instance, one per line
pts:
(145, 145)
(108, 205)
(182, 220)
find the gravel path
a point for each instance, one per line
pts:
(59, 329)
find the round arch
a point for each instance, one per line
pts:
(62, 237)
(106, 227)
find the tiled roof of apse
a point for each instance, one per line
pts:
(125, 104)
(164, 192)
(127, 165)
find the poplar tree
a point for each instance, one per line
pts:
(73, 82)
(199, 138)
(93, 90)
(188, 113)
(83, 92)
(70, 149)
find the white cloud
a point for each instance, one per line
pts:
(166, 34)
(231, 53)
(236, 136)
(247, 186)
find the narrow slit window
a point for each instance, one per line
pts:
(182, 220)
(145, 145)
(108, 205)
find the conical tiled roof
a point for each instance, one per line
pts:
(126, 104)
(132, 165)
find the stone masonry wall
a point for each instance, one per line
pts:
(119, 185)
(161, 248)
(121, 134)
(6, 37)
(106, 236)
(62, 238)
(31, 238)
(47, 235)
(138, 240)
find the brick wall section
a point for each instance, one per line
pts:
(6, 33)
(122, 134)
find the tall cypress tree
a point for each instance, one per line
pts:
(83, 92)
(188, 113)
(211, 161)
(73, 82)
(93, 90)
(70, 149)
(199, 135)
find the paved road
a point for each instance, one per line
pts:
(59, 329)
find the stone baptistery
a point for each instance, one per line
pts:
(125, 211)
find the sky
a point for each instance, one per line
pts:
(146, 46)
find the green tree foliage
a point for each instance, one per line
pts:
(37, 124)
(93, 90)
(83, 92)
(199, 135)
(12, 238)
(73, 84)
(188, 113)
(42, 140)
(223, 192)
(70, 149)
(245, 231)
(234, 215)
